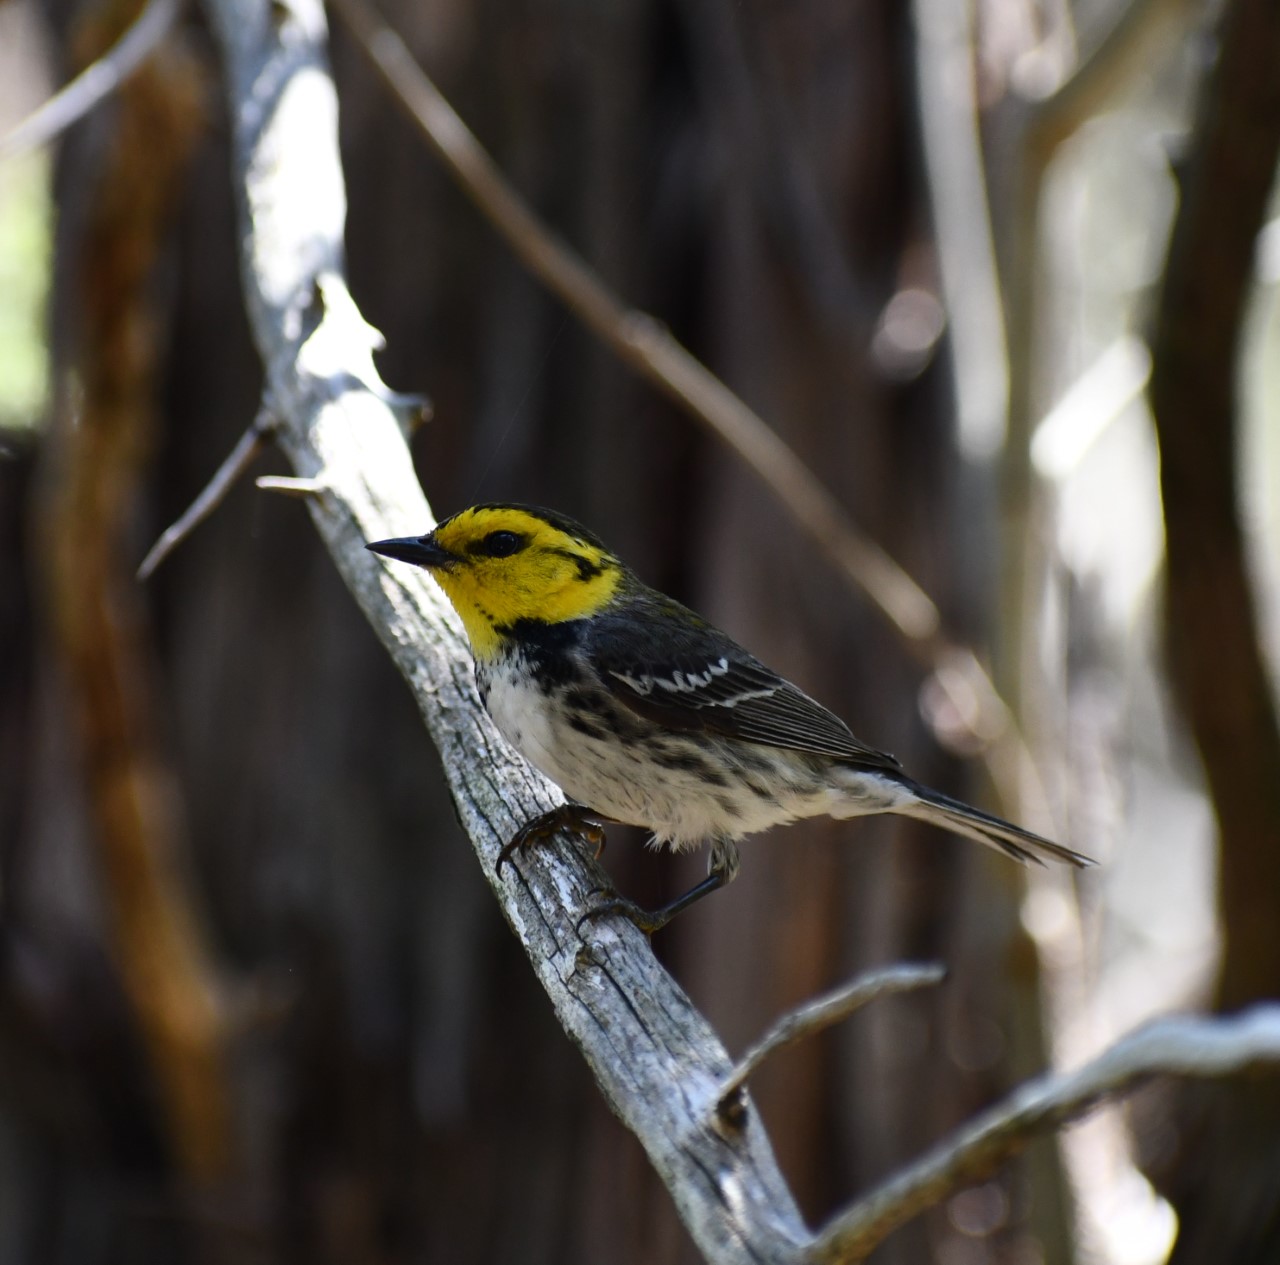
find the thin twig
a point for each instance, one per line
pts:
(821, 1013)
(238, 460)
(284, 485)
(1183, 1046)
(95, 83)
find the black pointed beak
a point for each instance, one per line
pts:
(422, 551)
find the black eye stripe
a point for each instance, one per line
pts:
(499, 544)
(587, 570)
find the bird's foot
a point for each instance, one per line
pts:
(577, 818)
(651, 920)
(648, 920)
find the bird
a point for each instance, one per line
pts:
(646, 714)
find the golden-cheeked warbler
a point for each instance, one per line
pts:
(644, 713)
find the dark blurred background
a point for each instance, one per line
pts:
(256, 1002)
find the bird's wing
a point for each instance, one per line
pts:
(668, 665)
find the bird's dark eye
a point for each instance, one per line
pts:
(501, 544)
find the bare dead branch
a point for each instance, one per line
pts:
(238, 460)
(1186, 1046)
(95, 83)
(821, 1013)
(332, 349)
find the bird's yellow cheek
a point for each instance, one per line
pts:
(500, 597)
(478, 620)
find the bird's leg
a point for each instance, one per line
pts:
(568, 816)
(651, 920)
(722, 870)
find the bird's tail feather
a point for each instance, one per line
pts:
(952, 814)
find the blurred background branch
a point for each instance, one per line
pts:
(1202, 1048)
(93, 464)
(96, 81)
(1211, 619)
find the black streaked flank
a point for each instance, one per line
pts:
(623, 726)
(753, 761)
(579, 699)
(729, 808)
(586, 725)
(686, 760)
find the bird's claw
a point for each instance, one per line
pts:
(574, 817)
(646, 920)
(651, 920)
